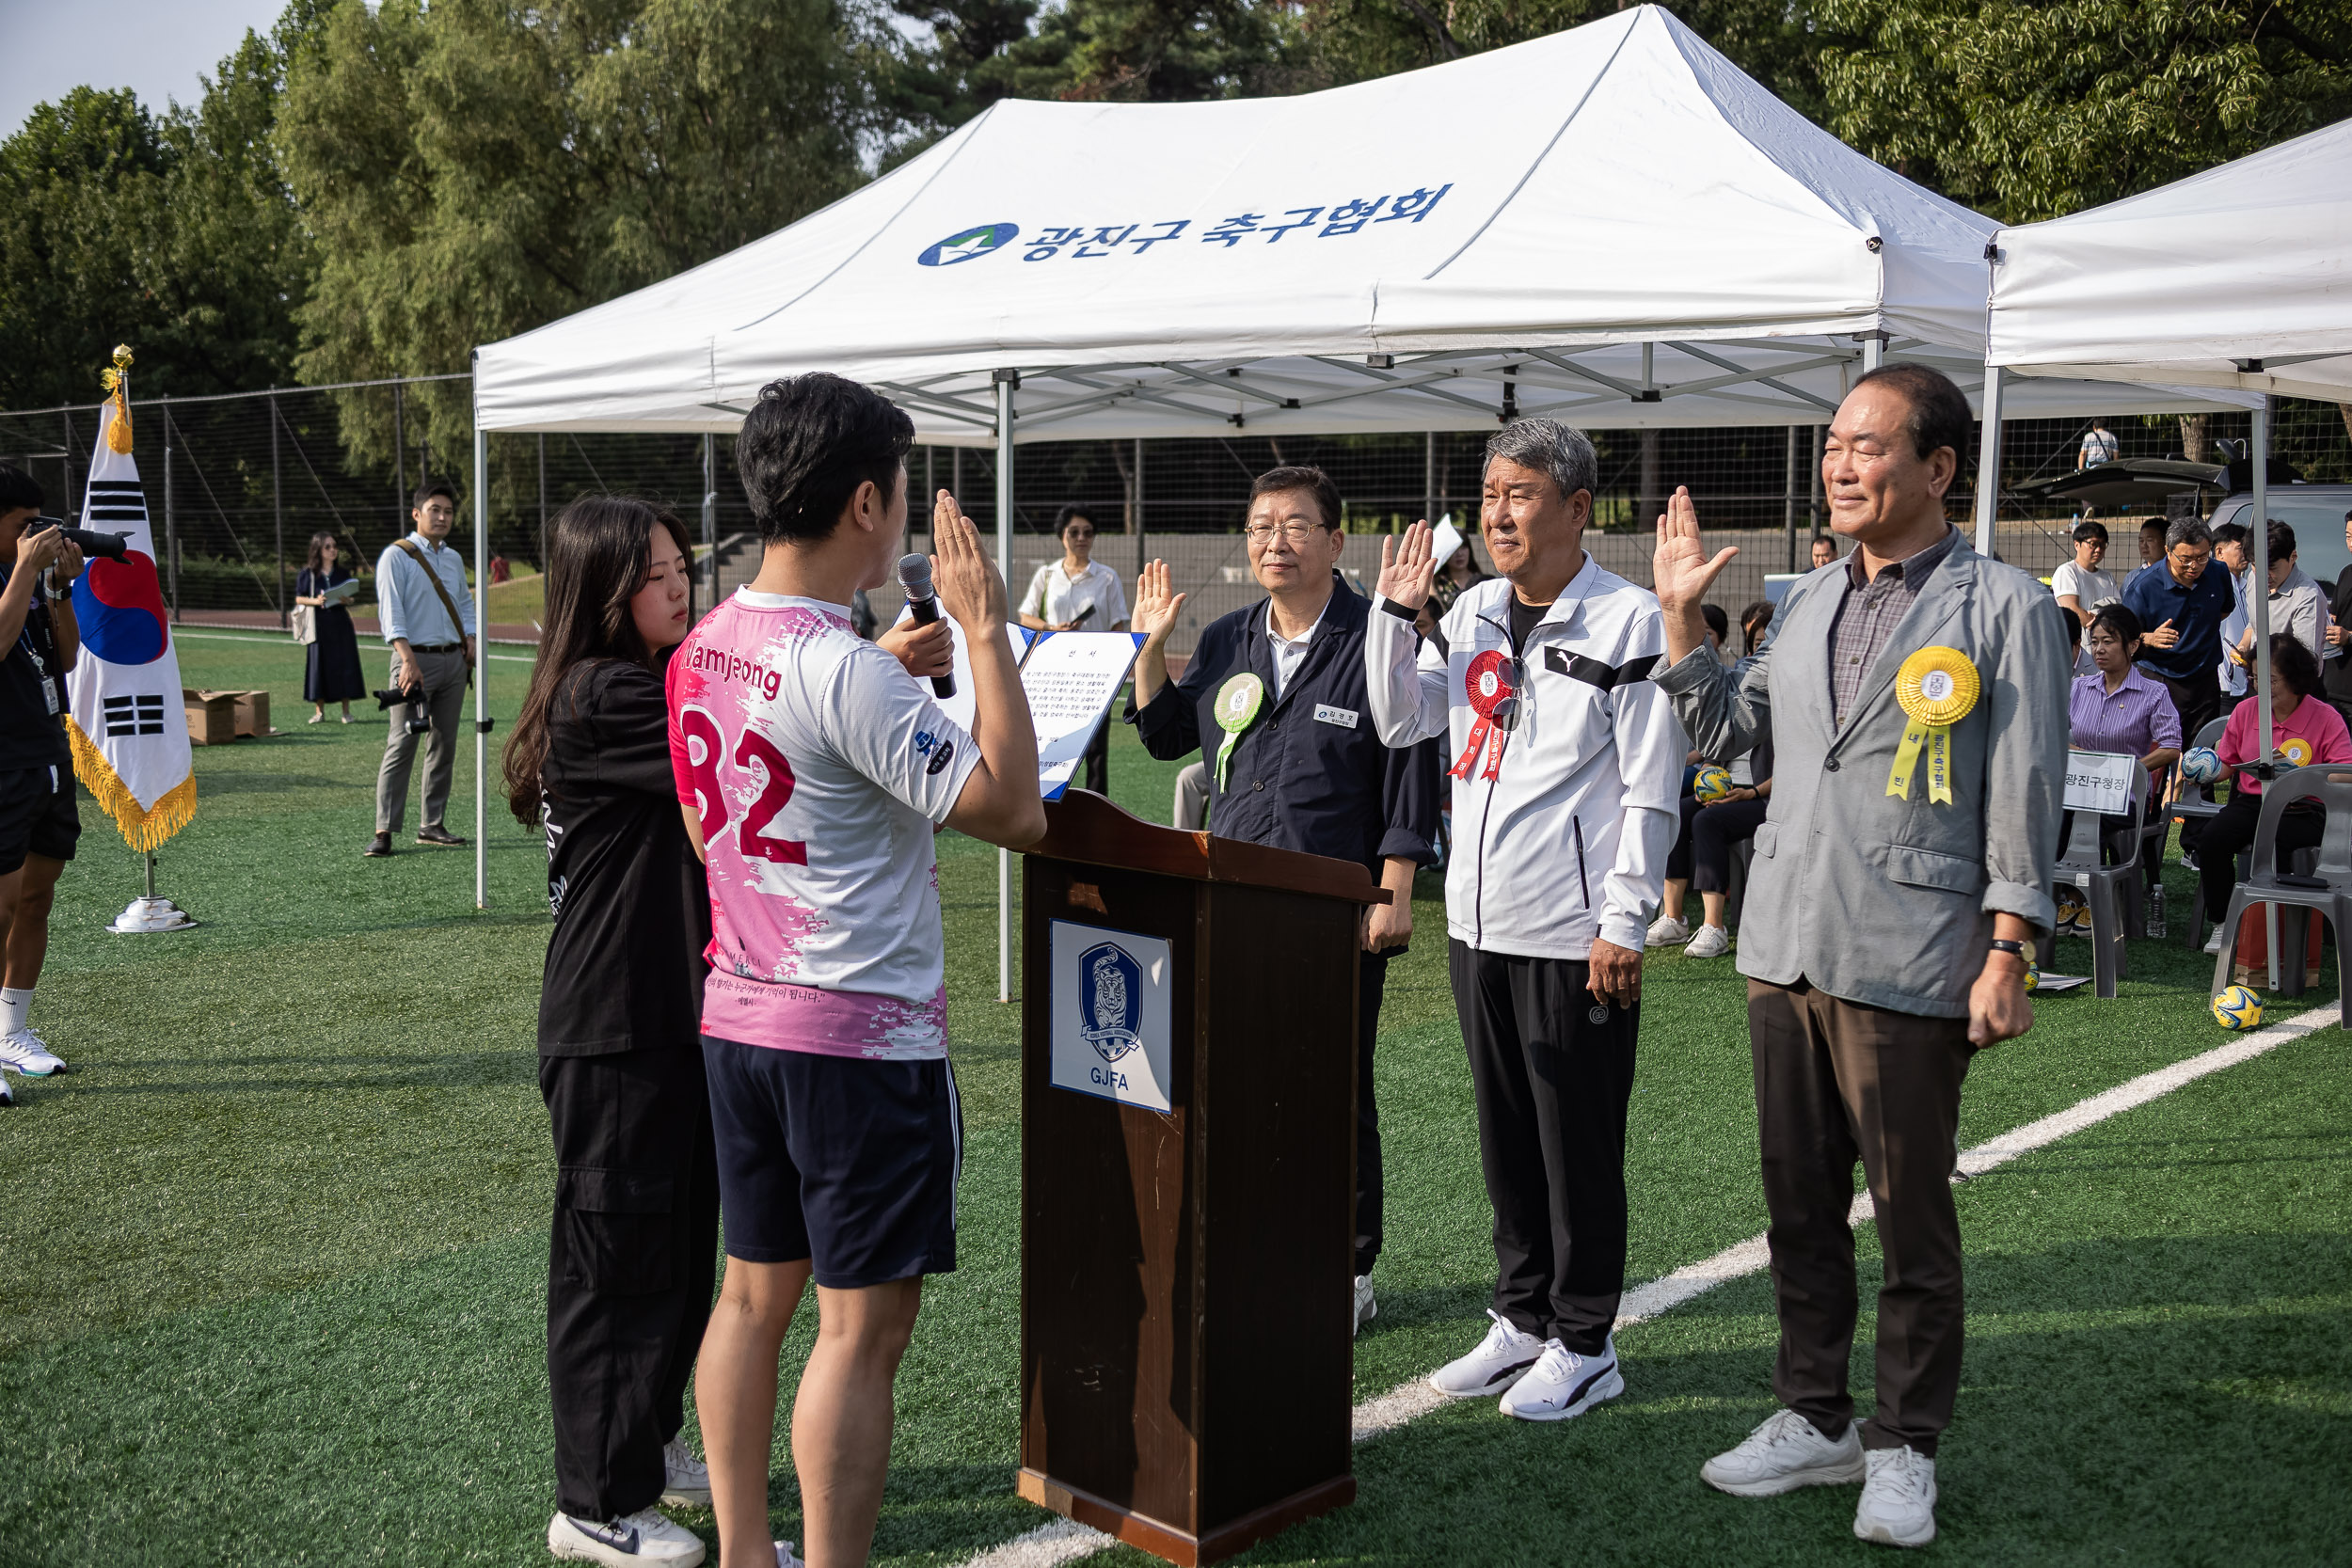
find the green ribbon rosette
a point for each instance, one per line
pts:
(1239, 702)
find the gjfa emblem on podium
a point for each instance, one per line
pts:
(1110, 1010)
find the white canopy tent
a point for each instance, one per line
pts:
(1611, 223)
(2237, 278)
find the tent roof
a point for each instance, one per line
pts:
(2240, 276)
(1611, 223)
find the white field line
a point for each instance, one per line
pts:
(1063, 1541)
(265, 637)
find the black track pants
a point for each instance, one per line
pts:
(630, 1267)
(1553, 1070)
(1372, 981)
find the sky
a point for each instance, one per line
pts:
(155, 47)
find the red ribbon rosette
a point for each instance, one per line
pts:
(1489, 682)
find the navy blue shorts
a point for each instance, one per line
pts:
(849, 1162)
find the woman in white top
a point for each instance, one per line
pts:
(1075, 594)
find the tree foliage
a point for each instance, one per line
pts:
(174, 233)
(472, 169)
(2033, 110)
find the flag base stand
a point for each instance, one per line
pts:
(149, 912)
(152, 914)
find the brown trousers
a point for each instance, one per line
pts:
(1836, 1081)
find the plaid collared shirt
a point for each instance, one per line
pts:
(1866, 615)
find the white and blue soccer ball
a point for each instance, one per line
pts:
(2202, 764)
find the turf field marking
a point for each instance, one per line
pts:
(1065, 1541)
(263, 642)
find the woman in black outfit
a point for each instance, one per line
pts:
(332, 674)
(636, 1231)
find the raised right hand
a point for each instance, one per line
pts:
(1157, 603)
(1681, 571)
(1408, 568)
(964, 577)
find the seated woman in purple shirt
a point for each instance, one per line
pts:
(2117, 709)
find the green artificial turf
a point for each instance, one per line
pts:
(276, 1248)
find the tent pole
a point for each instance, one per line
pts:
(1005, 382)
(1813, 497)
(480, 663)
(2259, 591)
(1873, 351)
(1989, 462)
(1429, 478)
(1788, 501)
(710, 518)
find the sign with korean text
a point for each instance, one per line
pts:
(2100, 782)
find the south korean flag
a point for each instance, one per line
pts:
(129, 728)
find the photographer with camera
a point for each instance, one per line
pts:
(38, 818)
(426, 616)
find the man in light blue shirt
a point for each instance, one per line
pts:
(427, 616)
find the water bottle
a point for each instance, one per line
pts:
(2155, 910)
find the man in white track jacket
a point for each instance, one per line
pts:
(1567, 762)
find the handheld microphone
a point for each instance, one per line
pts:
(914, 576)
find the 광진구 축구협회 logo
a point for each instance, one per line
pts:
(969, 245)
(1110, 1000)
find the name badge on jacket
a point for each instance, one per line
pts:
(1343, 717)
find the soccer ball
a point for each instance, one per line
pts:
(1712, 784)
(2033, 976)
(2202, 764)
(2237, 1008)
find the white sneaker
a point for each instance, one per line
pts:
(1666, 931)
(1564, 1383)
(1497, 1363)
(1786, 1452)
(785, 1557)
(2214, 942)
(1712, 941)
(629, 1542)
(1366, 1308)
(26, 1052)
(8, 1095)
(1898, 1506)
(685, 1480)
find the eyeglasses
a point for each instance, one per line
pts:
(1293, 533)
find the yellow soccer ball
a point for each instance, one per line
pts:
(2033, 976)
(1712, 784)
(2237, 1008)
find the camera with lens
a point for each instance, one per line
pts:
(420, 718)
(114, 547)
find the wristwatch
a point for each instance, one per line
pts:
(2003, 944)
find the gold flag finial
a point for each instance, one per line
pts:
(116, 378)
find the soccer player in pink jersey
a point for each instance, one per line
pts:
(813, 770)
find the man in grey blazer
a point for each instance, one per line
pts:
(1917, 694)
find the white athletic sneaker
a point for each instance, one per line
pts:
(1497, 1363)
(629, 1542)
(26, 1052)
(1366, 1308)
(1666, 931)
(1712, 941)
(785, 1557)
(685, 1480)
(8, 1095)
(1564, 1383)
(2214, 944)
(1784, 1453)
(1898, 1506)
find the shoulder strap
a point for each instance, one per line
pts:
(440, 587)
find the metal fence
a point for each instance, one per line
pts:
(242, 482)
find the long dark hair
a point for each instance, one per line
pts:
(599, 553)
(318, 543)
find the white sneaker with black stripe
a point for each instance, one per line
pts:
(1501, 1357)
(1563, 1383)
(629, 1542)
(685, 1480)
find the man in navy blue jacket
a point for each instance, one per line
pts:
(1274, 700)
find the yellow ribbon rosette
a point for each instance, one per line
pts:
(1936, 688)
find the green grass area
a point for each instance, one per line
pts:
(276, 1248)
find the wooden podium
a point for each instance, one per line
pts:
(1187, 1273)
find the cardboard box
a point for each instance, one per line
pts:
(217, 718)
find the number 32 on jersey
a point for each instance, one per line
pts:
(758, 764)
